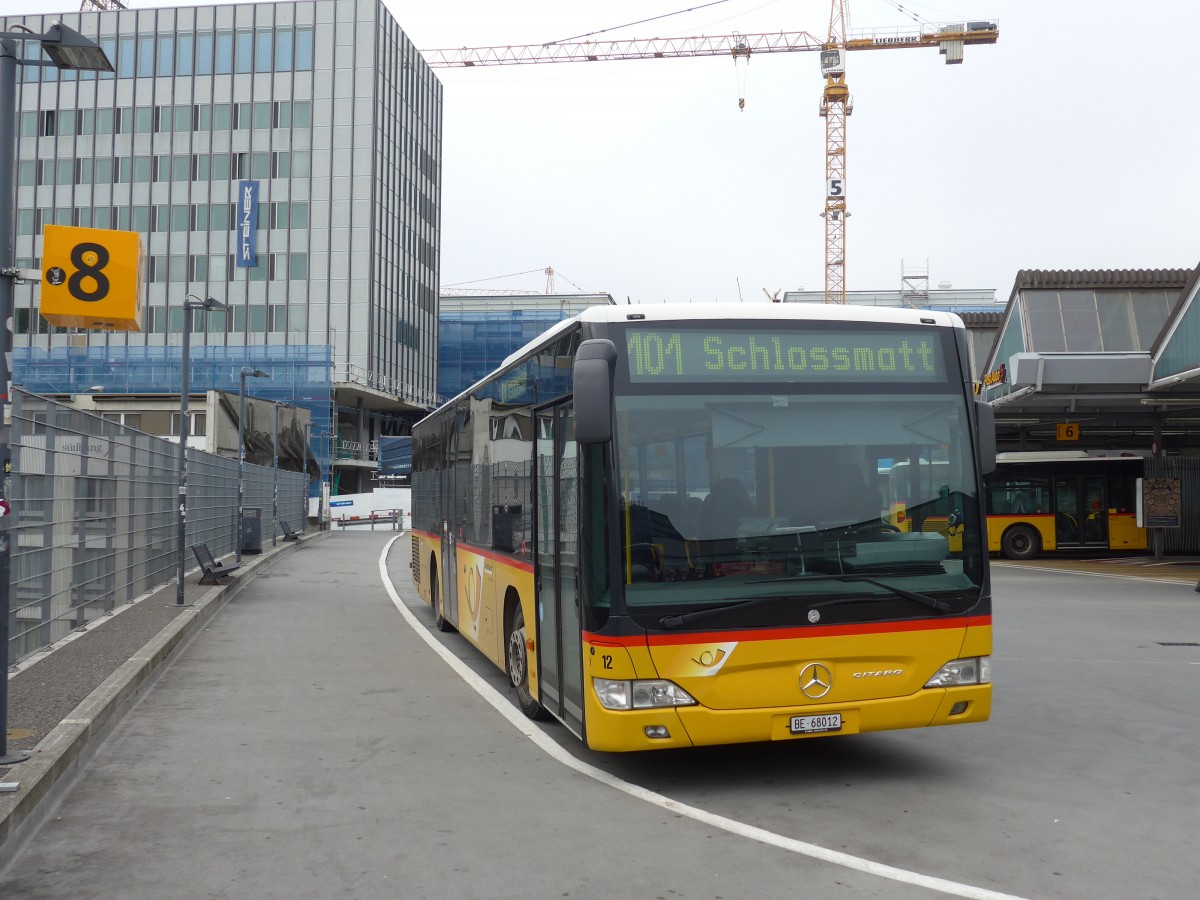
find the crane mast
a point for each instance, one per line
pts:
(836, 100)
(836, 104)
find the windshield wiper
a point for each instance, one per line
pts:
(683, 618)
(924, 599)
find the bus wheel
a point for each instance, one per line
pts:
(517, 663)
(1020, 542)
(435, 594)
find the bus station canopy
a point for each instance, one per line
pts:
(1114, 351)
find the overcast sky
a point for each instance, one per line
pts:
(1068, 144)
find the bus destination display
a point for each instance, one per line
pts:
(693, 355)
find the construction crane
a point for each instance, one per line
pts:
(836, 101)
(548, 272)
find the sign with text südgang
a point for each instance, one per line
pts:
(247, 224)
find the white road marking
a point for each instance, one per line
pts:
(524, 725)
(1009, 565)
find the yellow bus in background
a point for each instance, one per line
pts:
(663, 522)
(1037, 503)
(1058, 501)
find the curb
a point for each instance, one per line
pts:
(62, 754)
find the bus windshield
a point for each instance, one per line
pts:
(728, 496)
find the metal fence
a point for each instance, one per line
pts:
(94, 509)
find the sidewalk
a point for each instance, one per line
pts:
(62, 703)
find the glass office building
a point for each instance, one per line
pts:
(284, 158)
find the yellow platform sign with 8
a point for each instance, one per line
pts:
(92, 278)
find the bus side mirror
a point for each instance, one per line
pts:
(986, 417)
(594, 366)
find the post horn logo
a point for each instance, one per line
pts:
(708, 659)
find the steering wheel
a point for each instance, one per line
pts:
(880, 526)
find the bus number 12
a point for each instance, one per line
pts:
(648, 354)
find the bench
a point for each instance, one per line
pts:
(211, 570)
(288, 534)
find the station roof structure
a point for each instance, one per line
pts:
(1115, 351)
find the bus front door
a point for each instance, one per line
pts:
(1080, 512)
(556, 568)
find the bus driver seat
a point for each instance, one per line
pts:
(863, 503)
(726, 504)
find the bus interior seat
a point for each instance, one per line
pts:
(726, 503)
(863, 503)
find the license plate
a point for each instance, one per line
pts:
(816, 724)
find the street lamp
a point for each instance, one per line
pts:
(190, 302)
(304, 468)
(67, 49)
(247, 372)
(275, 474)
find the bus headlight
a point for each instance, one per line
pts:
(973, 670)
(640, 694)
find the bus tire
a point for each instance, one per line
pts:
(435, 597)
(516, 663)
(1020, 542)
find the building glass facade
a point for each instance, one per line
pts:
(477, 333)
(325, 105)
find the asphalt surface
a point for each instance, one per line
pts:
(308, 701)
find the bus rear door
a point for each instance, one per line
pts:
(1080, 512)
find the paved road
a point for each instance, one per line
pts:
(310, 743)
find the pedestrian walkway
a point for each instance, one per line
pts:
(62, 702)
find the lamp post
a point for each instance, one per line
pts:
(275, 475)
(305, 450)
(247, 372)
(190, 302)
(67, 49)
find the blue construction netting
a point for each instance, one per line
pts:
(299, 376)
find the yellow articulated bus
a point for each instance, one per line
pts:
(663, 523)
(1066, 500)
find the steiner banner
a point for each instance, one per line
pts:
(247, 224)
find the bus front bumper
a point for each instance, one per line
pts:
(698, 726)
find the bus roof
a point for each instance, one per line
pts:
(1023, 456)
(798, 312)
